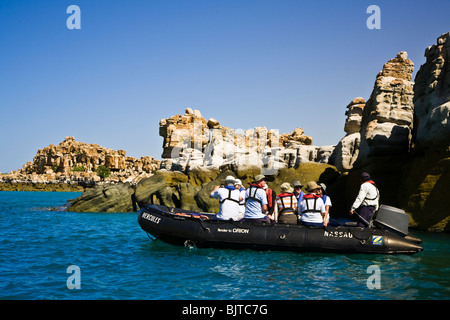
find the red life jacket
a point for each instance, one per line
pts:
(310, 196)
(286, 195)
(371, 182)
(312, 208)
(282, 195)
(269, 193)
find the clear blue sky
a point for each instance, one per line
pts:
(281, 64)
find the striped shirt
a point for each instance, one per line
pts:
(287, 203)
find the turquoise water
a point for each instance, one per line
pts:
(117, 260)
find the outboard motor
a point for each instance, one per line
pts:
(393, 219)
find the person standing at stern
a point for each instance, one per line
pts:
(367, 200)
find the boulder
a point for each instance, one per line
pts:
(105, 198)
(160, 188)
(304, 173)
(200, 176)
(187, 193)
(147, 188)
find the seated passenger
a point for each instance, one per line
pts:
(256, 201)
(238, 186)
(327, 201)
(298, 190)
(271, 202)
(287, 205)
(229, 199)
(312, 207)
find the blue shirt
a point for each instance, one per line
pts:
(300, 196)
(253, 208)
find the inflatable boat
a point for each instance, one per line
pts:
(387, 235)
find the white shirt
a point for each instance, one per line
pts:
(228, 209)
(253, 208)
(242, 203)
(368, 196)
(327, 201)
(313, 217)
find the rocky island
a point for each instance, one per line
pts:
(400, 134)
(76, 166)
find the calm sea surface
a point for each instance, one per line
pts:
(117, 260)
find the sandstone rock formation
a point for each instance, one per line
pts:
(388, 115)
(382, 126)
(192, 142)
(74, 162)
(354, 115)
(347, 150)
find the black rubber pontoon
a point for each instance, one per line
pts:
(181, 227)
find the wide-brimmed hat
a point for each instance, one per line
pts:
(238, 181)
(230, 179)
(297, 184)
(286, 187)
(259, 177)
(312, 185)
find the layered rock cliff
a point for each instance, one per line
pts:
(426, 177)
(432, 96)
